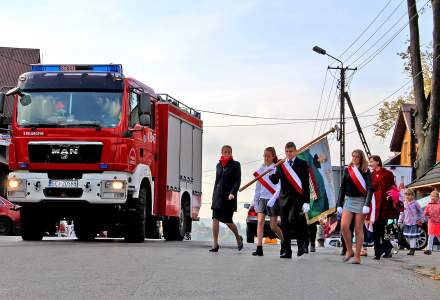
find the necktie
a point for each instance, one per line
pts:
(291, 163)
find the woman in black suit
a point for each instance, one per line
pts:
(224, 197)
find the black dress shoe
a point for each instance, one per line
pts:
(286, 255)
(312, 248)
(388, 253)
(376, 258)
(300, 252)
(283, 249)
(258, 252)
(214, 249)
(240, 245)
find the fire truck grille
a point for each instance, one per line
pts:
(86, 153)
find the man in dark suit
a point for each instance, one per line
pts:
(294, 199)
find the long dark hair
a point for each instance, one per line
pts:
(377, 159)
(274, 153)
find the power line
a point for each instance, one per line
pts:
(377, 30)
(380, 49)
(366, 29)
(320, 101)
(328, 101)
(395, 92)
(328, 119)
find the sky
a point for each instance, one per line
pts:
(237, 57)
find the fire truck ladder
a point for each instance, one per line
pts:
(358, 126)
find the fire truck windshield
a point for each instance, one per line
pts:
(69, 109)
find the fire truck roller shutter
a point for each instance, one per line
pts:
(186, 154)
(173, 152)
(197, 173)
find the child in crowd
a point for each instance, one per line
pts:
(410, 218)
(432, 212)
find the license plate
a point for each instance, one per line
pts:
(63, 183)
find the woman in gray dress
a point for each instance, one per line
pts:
(355, 197)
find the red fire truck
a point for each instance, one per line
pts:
(90, 145)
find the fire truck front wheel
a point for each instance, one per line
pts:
(31, 224)
(136, 217)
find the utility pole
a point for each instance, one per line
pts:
(342, 116)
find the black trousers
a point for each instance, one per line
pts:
(380, 245)
(292, 219)
(313, 228)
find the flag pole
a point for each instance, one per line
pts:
(300, 150)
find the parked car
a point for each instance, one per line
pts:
(251, 225)
(9, 217)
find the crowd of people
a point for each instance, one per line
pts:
(365, 204)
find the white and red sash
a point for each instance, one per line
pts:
(292, 177)
(358, 180)
(268, 185)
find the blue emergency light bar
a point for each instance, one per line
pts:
(75, 68)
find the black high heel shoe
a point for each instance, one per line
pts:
(214, 249)
(240, 246)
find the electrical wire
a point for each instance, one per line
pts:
(376, 31)
(366, 29)
(320, 101)
(380, 49)
(395, 92)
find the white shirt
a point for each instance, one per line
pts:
(260, 190)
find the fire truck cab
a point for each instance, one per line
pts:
(90, 145)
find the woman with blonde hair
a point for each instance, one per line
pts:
(265, 199)
(355, 197)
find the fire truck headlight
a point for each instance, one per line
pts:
(113, 185)
(16, 185)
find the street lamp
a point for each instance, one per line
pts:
(321, 51)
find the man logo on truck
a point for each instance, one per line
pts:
(65, 152)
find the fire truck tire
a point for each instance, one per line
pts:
(85, 229)
(31, 225)
(136, 217)
(174, 229)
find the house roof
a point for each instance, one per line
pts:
(393, 161)
(14, 62)
(404, 123)
(429, 179)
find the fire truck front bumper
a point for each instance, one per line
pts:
(94, 188)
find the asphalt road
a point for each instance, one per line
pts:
(111, 269)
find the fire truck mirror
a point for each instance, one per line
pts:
(2, 101)
(145, 120)
(25, 99)
(145, 105)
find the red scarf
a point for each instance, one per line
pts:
(224, 160)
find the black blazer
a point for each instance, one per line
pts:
(288, 192)
(349, 188)
(227, 181)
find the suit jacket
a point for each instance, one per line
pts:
(227, 181)
(288, 193)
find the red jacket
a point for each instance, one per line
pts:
(381, 182)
